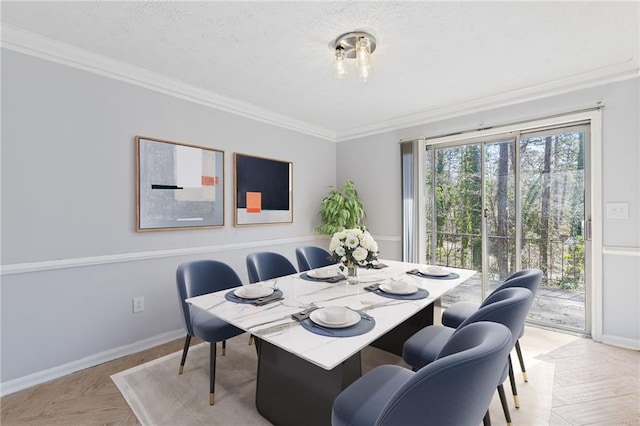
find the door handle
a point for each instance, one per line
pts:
(587, 230)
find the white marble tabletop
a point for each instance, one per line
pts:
(273, 322)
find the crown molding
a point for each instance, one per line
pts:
(605, 75)
(26, 42)
(23, 41)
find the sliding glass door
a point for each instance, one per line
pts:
(470, 211)
(554, 231)
(505, 203)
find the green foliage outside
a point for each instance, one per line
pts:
(551, 200)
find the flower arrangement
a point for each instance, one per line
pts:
(353, 247)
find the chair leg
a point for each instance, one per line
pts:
(505, 406)
(486, 420)
(524, 370)
(224, 347)
(212, 367)
(250, 339)
(514, 389)
(187, 341)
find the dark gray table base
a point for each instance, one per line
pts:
(292, 391)
(393, 340)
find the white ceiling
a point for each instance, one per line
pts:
(272, 58)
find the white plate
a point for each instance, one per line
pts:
(318, 317)
(444, 273)
(265, 292)
(409, 290)
(322, 273)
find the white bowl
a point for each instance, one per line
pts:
(324, 273)
(398, 285)
(434, 269)
(335, 314)
(253, 290)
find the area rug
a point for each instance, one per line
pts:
(158, 395)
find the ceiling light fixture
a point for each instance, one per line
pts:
(358, 45)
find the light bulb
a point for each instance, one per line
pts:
(340, 64)
(364, 73)
(363, 51)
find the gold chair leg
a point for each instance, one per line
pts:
(211, 398)
(250, 339)
(514, 388)
(521, 359)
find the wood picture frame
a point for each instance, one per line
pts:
(178, 185)
(263, 190)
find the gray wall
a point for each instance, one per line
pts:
(68, 195)
(68, 207)
(374, 163)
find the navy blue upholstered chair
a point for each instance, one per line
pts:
(455, 389)
(508, 307)
(267, 265)
(454, 315)
(312, 257)
(194, 279)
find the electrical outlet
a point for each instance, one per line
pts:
(138, 304)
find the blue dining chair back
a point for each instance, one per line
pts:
(195, 279)
(508, 307)
(312, 257)
(266, 265)
(455, 389)
(454, 315)
(527, 278)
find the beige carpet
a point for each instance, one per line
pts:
(158, 395)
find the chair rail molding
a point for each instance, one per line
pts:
(621, 251)
(48, 265)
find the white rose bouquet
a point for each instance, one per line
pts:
(353, 247)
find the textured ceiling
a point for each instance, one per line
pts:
(431, 56)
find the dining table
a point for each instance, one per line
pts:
(304, 360)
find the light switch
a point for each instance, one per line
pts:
(617, 210)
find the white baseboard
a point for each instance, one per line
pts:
(43, 376)
(622, 342)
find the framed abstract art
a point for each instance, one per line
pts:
(178, 185)
(263, 190)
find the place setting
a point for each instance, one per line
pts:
(434, 272)
(330, 274)
(254, 294)
(335, 321)
(397, 288)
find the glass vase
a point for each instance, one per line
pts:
(352, 273)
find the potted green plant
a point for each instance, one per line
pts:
(341, 209)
